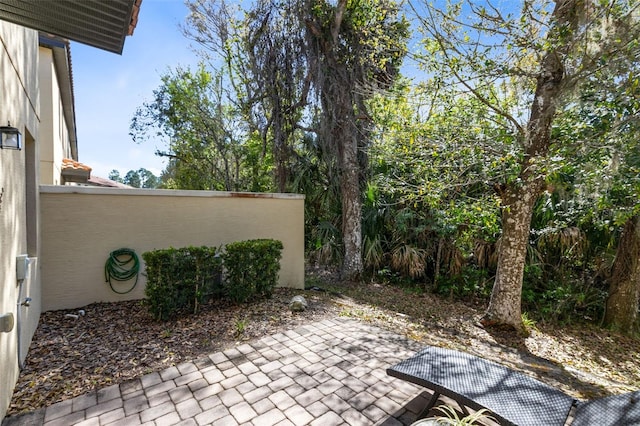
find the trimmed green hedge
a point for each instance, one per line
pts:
(180, 280)
(251, 269)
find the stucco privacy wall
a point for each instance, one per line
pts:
(18, 104)
(82, 225)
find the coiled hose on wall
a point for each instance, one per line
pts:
(122, 265)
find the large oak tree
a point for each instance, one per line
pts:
(544, 50)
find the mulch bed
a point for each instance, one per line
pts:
(72, 353)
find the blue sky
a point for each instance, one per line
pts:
(108, 88)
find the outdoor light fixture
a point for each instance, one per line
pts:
(9, 137)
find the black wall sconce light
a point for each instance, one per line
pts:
(9, 137)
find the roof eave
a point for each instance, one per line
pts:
(97, 23)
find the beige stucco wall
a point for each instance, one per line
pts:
(19, 104)
(82, 225)
(55, 143)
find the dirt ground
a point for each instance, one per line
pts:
(115, 342)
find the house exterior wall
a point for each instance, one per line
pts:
(82, 225)
(55, 146)
(19, 104)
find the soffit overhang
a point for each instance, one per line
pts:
(99, 23)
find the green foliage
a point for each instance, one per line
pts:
(114, 175)
(504, 58)
(567, 297)
(240, 326)
(315, 175)
(452, 418)
(433, 157)
(251, 268)
(180, 280)
(141, 178)
(431, 196)
(387, 276)
(471, 282)
(209, 145)
(372, 38)
(592, 190)
(528, 323)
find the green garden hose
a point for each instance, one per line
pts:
(122, 265)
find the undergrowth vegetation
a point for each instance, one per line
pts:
(420, 180)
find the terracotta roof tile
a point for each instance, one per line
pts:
(134, 17)
(74, 171)
(69, 164)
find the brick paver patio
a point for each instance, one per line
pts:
(326, 373)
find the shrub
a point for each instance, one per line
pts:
(251, 268)
(180, 280)
(471, 282)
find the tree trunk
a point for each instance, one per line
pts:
(344, 131)
(505, 304)
(519, 197)
(347, 67)
(351, 209)
(281, 156)
(337, 93)
(624, 287)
